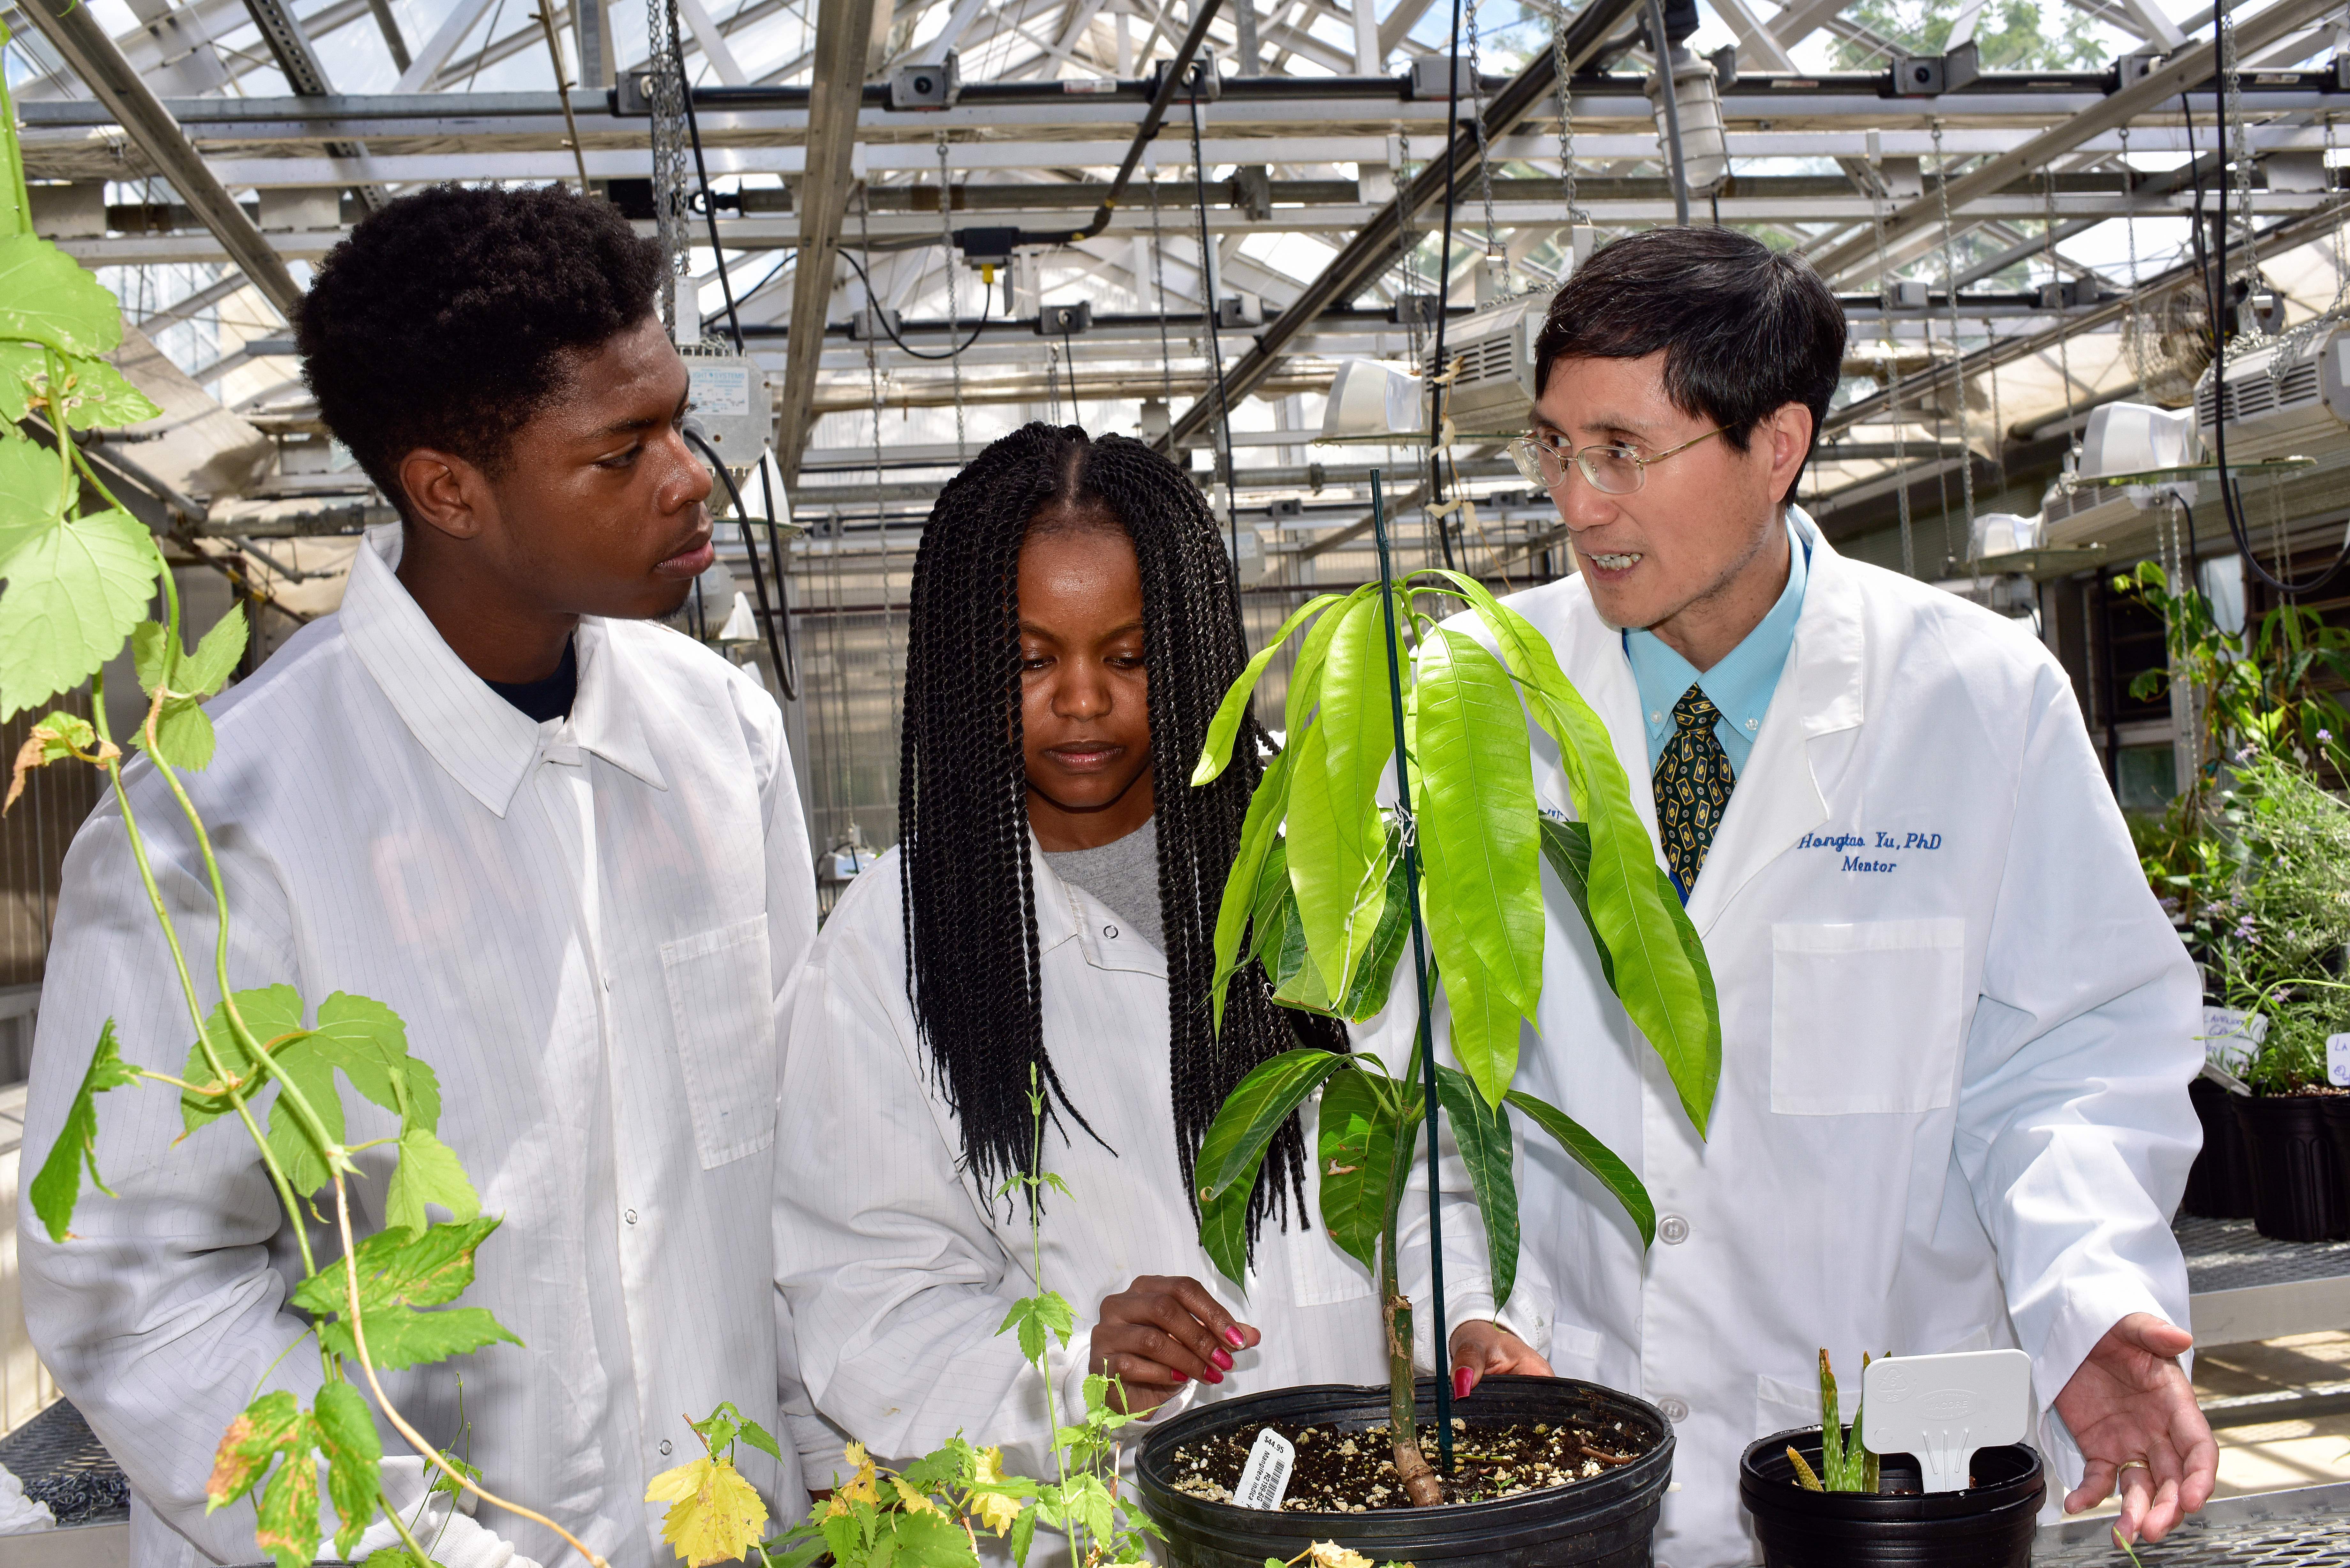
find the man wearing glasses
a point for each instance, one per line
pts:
(1956, 1030)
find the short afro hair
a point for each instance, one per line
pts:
(1745, 329)
(443, 319)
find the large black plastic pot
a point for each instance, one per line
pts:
(1603, 1522)
(2219, 1183)
(2297, 1189)
(1990, 1525)
(2335, 1110)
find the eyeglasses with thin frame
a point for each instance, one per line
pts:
(1611, 467)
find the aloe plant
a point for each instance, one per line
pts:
(1846, 1464)
(1327, 888)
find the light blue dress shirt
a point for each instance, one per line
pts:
(1740, 686)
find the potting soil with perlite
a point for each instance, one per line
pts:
(1353, 1470)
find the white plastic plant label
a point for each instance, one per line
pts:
(1943, 1408)
(2337, 1061)
(1264, 1479)
(2231, 1039)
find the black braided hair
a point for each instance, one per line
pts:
(972, 976)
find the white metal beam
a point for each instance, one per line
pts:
(435, 54)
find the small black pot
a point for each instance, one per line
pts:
(2219, 1183)
(1603, 1522)
(2297, 1189)
(1990, 1525)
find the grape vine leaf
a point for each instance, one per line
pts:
(74, 593)
(56, 739)
(35, 491)
(1034, 1316)
(184, 731)
(428, 1172)
(401, 1270)
(714, 1515)
(58, 1187)
(45, 296)
(273, 1428)
(97, 395)
(354, 1452)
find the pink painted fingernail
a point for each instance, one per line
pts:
(1214, 1376)
(1234, 1336)
(1463, 1380)
(1222, 1358)
(1182, 1378)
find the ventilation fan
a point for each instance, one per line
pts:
(2288, 399)
(1493, 353)
(2168, 344)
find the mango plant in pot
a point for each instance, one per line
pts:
(1327, 891)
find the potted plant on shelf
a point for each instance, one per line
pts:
(1818, 1496)
(1327, 893)
(2252, 859)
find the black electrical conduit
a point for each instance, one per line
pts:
(2215, 288)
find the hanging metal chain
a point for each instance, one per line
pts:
(665, 88)
(2137, 327)
(2240, 176)
(1561, 67)
(1497, 260)
(946, 250)
(2056, 280)
(1885, 280)
(1998, 424)
(1958, 373)
(890, 668)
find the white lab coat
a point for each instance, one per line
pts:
(898, 1272)
(587, 924)
(1956, 1036)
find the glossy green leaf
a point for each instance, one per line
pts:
(36, 492)
(368, 1042)
(1594, 1157)
(1235, 1142)
(97, 395)
(1568, 846)
(1479, 841)
(354, 1455)
(270, 1012)
(1260, 831)
(1224, 1229)
(21, 368)
(1357, 730)
(1390, 939)
(1217, 754)
(1637, 924)
(45, 296)
(402, 1272)
(184, 731)
(56, 1188)
(428, 1172)
(74, 593)
(1355, 1157)
(1482, 1132)
(1305, 675)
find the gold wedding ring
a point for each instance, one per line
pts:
(2129, 1465)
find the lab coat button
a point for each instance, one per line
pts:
(1672, 1229)
(629, 1215)
(1675, 1410)
(664, 1447)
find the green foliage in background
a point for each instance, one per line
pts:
(2011, 35)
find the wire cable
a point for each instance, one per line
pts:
(1215, 337)
(881, 316)
(701, 175)
(693, 430)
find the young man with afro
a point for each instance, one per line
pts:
(563, 845)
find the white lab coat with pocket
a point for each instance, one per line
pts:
(899, 1270)
(1956, 1036)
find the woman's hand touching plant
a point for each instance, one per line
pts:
(1160, 1333)
(1482, 1348)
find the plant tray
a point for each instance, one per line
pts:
(2308, 1527)
(62, 1464)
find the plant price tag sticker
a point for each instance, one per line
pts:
(2337, 1061)
(1264, 1479)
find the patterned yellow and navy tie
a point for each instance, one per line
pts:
(1692, 782)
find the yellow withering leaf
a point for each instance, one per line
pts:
(856, 1455)
(914, 1501)
(861, 1487)
(714, 1515)
(996, 1514)
(1330, 1554)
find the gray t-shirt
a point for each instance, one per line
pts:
(1123, 874)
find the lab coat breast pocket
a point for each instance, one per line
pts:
(1865, 1016)
(723, 1006)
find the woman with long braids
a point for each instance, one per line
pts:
(1056, 880)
